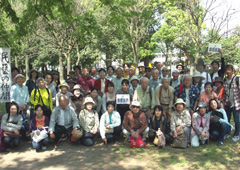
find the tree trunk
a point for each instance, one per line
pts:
(167, 54)
(27, 66)
(68, 57)
(78, 56)
(16, 61)
(60, 67)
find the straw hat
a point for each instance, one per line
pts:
(180, 101)
(19, 76)
(88, 100)
(63, 84)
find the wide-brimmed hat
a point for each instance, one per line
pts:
(88, 100)
(19, 76)
(165, 68)
(134, 78)
(180, 101)
(141, 65)
(77, 86)
(135, 103)
(198, 74)
(218, 79)
(63, 84)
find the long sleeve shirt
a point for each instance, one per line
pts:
(165, 97)
(46, 97)
(89, 120)
(200, 124)
(145, 97)
(183, 119)
(112, 120)
(135, 122)
(13, 123)
(69, 118)
(20, 95)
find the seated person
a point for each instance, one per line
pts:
(200, 126)
(89, 122)
(180, 119)
(219, 125)
(110, 123)
(63, 120)
(38, 124)
(11, 125)
(135, 122)
(157, 121)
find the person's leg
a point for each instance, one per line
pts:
(88, 141)
(35, 145)
(225, 129)
(187, 133)
(236, 121)
(125, 132)
(229, 111)
(7, 141)
(144, 134)
(59, 130)
(116, 132)
(214, 135)
(45, 141)
(16, 141)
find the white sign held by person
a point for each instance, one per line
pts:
(123, 99)
(5, 72)
(214, 48)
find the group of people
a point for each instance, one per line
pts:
(111, 103)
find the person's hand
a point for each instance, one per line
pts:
(52, 136)
(105, 140)
(211, 117)
(178, 128)
(174, 134)
(16, 132)
(25, 106)
(38, 132)
(93, 132)
(108, 127)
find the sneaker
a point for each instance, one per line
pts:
(44, 148)
(235, 138)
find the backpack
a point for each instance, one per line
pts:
(180, 89)
(180, 141)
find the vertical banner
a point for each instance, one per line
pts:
(5, 74)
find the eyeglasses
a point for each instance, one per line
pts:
(135, 107)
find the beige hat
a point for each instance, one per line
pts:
(198, 74)
(134, 78)
(88, 100)
(135, 103)
(19, 76)
(178, 101)
(63, 84)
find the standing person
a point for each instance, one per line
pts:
(132, 72)
(218, 83)
(86, 82)
(77, 99)
(164, 74)
(11, 125)
(101, 82)
(94, 73)
(118, 79)
(89, 121)
(158, 66)
(175, 81)
(97, 100)
(31, 82)
(110, 123)
(14, 71)
(200, 126)
(71, 83)
(43, 96)
(145, 95)
(56, 80)
(110, 73)
(215, 67)
(63, 90)
(181, 119)
(20, 95)
(135, 122)
(219, 125)
(232, 99)
(125, 90)
(63, 120)
(49, 84)
(154, 82)
(39, 123)
(77, 70)
(126, 70)
(198, 81)
(180, 68)
(201, 68)
(141, 70)
(134, 83)
(187, 92)
(148, 72)
(164, 96)
(108, 96)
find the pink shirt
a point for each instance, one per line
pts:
(205, 98)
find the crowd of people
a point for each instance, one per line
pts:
(111, 103)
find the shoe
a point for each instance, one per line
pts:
(38, 150)
(235, 138)
(44, 148)
(220, 143)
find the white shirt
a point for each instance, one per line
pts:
(207, 77)
(61, 118)
(214, 76)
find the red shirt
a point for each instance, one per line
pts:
(87, 83)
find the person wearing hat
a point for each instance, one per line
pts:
(165, 72)
(135, 122)
(154, 82)
(175, 80)
(141, 70)
(198, 81)
(188, 92)
(201, 68)
(49, 84)
(180, 68)
(63, 120)
(101, 82)
(215, 67)
(77, 99)
(89, 122)
(200, 125)
(180, 119)
(31, 82)
(219, 89)
(63, 90)
(117, 81)
(19, 93)
(132, 71)
(110, 123)
(220, 127)
(148, 72)
(86, 81)
(134, 82)
(71, 83)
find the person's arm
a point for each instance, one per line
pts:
(34, 102)
(104, 109)
(125, 122)
(225, 119)
(222, 70)
(74, 118)
(96, 125)
(27, 96)
(99, 104)
(32, 126)
(206, 128)
(102, 126)
(153, 98)
(50, 102)
(187, 118)
(57, 99)
(157, 95)
(171, 99)
(53, 120)
(135, 95)
(172, 124)
(195, 124)
(144, 123)
(117, 120)
(4, 126)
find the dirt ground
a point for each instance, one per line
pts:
(119, 156)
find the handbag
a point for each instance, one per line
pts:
(159, 139)
(180, 141)
(43, 134)
(137, 143)
(109, 130)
